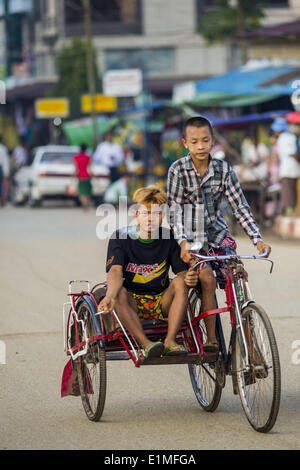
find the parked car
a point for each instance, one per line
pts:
(49, 175)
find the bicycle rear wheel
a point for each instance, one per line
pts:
(91, 367)
(260, 387)
(204, 379)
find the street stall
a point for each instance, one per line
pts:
(241, 105)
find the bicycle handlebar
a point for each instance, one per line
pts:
(236, 256)
(224, 257)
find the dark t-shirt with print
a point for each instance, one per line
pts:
(145, 265)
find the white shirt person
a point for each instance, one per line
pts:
(109, 154)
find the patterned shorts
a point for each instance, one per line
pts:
(227, 247)
(149, 306)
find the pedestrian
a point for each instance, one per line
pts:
(4, 173)
(20, 154)
(82, 162)
(109, 154)
(254, 156)
(289, 170)
(278, 126)
(117, 189)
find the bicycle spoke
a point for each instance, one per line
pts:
(92, 371)
(259, 386)
(203, 378)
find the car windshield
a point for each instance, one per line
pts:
(57, 157)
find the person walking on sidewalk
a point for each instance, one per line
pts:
(289, 169)
(109, 154)
(82, 162)
(4, 173)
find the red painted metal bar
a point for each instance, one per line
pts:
(211, 312)
(128, 351)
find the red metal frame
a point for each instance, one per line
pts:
(185, 329)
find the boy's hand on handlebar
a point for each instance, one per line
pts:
(191, 278)
(106, 305)
(262, 246)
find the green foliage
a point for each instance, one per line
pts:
(71, 68)
(224, 21)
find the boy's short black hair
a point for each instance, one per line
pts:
(83, 147)
(197, 121)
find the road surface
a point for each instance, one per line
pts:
(147, 408)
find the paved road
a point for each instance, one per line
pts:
(146, 408)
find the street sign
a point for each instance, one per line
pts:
(102, 103)
(123, 83)
(47, 108)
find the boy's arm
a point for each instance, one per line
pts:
(242, 212)
(114, 285)
(114, 268)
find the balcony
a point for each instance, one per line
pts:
(50, 30)
(104, 29)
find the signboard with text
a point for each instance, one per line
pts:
(123, 83)
(102, 103)
(48, 108)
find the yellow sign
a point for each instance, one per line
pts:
(102, 103)
(51, 107)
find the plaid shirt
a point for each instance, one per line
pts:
(186, 187)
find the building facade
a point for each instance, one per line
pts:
(160, 37)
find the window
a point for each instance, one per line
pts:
(148, 60)
(205, 5)
(277, 3)
(108, 16)
(57, 158)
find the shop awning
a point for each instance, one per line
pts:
(29, 90)
(239, 121)
(255, 82)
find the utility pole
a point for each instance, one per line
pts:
(240, 28)
(241, 31)
(90, 66)
(7, 40)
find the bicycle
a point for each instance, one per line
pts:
(251, 359)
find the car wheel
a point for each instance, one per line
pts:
(97, 200)
(34, 202)
(15, 200)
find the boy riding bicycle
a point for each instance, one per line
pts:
(200, 182)
(142, 255)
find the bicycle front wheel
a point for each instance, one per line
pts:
(204, 377)
(260, 386)
(91, 367)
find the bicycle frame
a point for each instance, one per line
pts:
(122, 341)
(235, 273)
(119, 342)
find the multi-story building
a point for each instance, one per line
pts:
(160, 37)
(278, 37)
(281, 11)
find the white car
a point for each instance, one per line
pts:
(50, 175)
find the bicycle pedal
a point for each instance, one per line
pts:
(249, 378)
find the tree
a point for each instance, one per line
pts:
(230, 19)
(71, 68)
